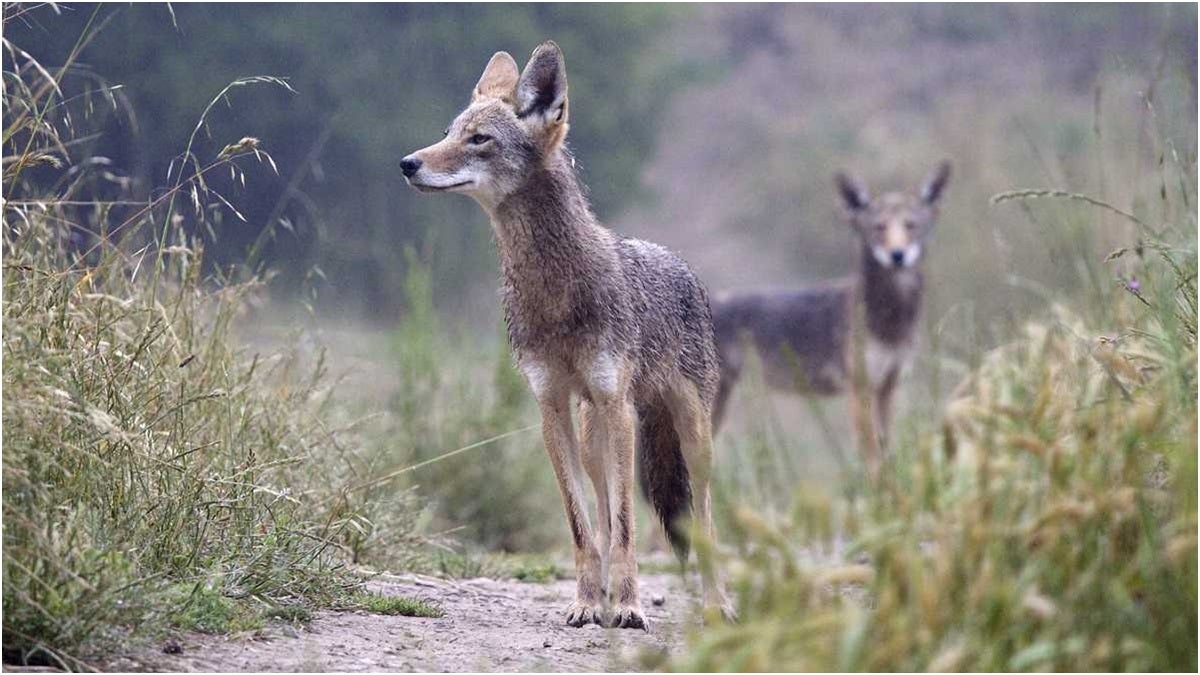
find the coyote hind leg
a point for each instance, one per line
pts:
(729, 378)
(731, 357)
(691, 417)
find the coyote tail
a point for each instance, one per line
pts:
(663, 474)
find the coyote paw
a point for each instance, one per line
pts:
(581, 614)
(628, 617)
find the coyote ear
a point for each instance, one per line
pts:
(853, 191)
(499, 79)
(935, 183)
(542, 90)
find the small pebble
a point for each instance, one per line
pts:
(546, 643)
(658, 600)
(172, 647)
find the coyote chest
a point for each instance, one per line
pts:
(597, 374)
(884, 360)
(628, 309)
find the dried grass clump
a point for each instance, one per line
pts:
(150, 462)
(1048, 523)
(1066, 542)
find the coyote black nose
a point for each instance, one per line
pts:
(410, 166)
(897, 255)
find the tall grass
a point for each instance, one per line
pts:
(150, 463)
(1047, 522)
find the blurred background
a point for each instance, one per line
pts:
(713, 129)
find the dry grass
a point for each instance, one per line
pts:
(154, 471)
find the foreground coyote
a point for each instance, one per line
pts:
(853, 333)
(622, 325)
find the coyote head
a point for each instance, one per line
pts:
(514, 123)
(894, 225)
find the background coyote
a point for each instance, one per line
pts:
(622, 325)
(858, 330)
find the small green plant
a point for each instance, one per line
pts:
(397, 605)
(289, 613)
(537, 571)
(464, 565)
(206, 610)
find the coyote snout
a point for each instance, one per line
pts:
(418, 174)
(409, 166)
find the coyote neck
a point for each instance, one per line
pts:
(891, 299)
(556, 262)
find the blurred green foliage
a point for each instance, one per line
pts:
(373, 82)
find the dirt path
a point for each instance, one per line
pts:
(489, 625)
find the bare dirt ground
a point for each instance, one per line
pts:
(489, 625)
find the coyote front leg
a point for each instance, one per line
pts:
(559, 436)
(618, 418)
(595, 446)
(861, 394)
(862, 415)
(883, 409)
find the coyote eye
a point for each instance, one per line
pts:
(910, 225)
(479, 139)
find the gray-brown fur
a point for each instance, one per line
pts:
(620, 326)
(571, 286)
(805, 336)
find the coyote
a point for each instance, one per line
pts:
(812, 340)
(621, 325)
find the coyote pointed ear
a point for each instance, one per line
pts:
(935, 183)
(542, 91)
(853, 191)
(499, 79)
